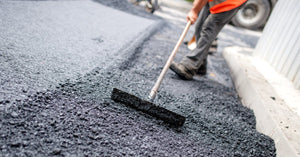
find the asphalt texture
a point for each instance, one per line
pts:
(77, 117)
(45, 42)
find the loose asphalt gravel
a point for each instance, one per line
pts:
(78, 118)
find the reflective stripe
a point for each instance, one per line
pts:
(219, 6)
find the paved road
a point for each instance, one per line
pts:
(43, 43)
(78, 118)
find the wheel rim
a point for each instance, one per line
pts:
(250, 11)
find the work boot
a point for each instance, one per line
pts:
(181, 71)
(203, 68)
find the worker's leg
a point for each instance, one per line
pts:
(191, 63)
(201, 18)
(210, 29)
(198, 27)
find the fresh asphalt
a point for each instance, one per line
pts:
(70, 113)
(45, 42)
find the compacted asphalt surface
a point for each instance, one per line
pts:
(74, 115)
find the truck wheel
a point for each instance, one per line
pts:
(253, 14)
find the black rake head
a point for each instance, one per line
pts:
(147, 107)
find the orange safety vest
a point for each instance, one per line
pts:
(219, 6)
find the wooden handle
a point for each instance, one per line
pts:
(167, 65)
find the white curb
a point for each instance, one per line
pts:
(273, 116)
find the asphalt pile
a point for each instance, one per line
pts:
(78, 118)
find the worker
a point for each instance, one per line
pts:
(212, 18)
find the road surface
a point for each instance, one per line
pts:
(73, 115)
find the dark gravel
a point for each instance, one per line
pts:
(78, 118)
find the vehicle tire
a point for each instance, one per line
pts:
(253, 14)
